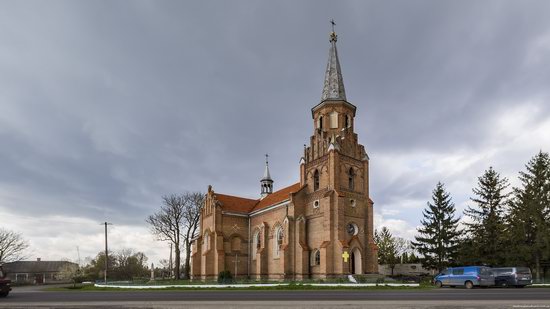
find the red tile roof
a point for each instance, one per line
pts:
(235, 203)
(277, 197)
(245, 205)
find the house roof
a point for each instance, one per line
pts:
(34, 266)
(245, 205)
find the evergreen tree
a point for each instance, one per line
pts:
(386, 246)
(529, 218)
(484, 243)
(390, 248)
(438, 236)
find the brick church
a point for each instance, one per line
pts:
(319, 227)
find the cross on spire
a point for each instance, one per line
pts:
(333, 24)
(266, 159)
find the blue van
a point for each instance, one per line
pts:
(468, 276)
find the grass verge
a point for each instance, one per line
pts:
(290, 287)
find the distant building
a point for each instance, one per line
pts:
(319, 227)
(409, 269)
(37, 272)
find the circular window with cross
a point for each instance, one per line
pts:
(352, 229)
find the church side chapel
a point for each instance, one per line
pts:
(320, 227)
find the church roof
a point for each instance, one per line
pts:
(277, 197)
(333, 88)
(235, 203)
(245, 205)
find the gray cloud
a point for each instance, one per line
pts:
(106, 106)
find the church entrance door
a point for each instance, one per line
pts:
(352, 262)
(356, 263)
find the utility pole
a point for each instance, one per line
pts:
(78, 253)
(106, 252)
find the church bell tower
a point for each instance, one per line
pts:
(335, 170)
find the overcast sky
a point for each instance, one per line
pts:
(105, 106)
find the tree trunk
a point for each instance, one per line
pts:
(187, 259)
(177, 266)
(537, 266)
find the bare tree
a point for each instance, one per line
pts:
(12, 246)
(177, 221)
(191, 215)
(167, 224)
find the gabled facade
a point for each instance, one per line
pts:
(301, 231)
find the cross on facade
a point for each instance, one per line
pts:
(236, 263)
(345, 256)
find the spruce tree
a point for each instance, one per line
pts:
(438, 236)
(386, 246)
(484, 243)
(529, 218)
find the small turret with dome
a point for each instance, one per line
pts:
(266, 182)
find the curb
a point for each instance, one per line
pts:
(210, 286)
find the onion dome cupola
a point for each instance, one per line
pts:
(266, 182)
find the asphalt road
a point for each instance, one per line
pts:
(133, 299)
(274, 295)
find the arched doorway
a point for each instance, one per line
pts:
(356, 263)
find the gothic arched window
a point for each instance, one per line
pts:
(206, 241)
(316, 180)
(316, 257)
(351, 179)
(256, 244)
(278, 241)
(348, 121)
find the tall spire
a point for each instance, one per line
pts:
(333, 88)
(266, 183)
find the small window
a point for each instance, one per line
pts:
(316, 180)
(315, 257)
(206, 241)
(334, 120)
(347, 121)
(352, 203)
(316, 204)
(320, 123)
(351, 179)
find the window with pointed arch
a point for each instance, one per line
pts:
(316, 180)
(278, 241)
(206, 241)
(320, 123)
(351, 179)
(256, 244)
(316, 257)
(348, 121)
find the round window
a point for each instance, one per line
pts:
(352, 229)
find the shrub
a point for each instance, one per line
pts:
(225, 277)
